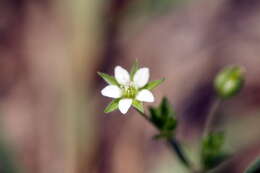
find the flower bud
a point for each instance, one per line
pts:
(229, 81)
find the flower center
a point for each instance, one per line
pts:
(129, 91)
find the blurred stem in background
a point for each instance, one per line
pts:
(211, 116)
(83, 20)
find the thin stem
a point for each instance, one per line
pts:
(174, 144)
(211, 116)
(144, 116)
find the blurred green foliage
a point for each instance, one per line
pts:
(7, 163)
(163, 117)
(212, 153)
(255, 167)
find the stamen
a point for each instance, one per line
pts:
(129, 91)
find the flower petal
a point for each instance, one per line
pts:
(124, 105)
(141, 77)
(112, 91)
(145, 96)
(122, 76)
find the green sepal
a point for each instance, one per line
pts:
(134, 69)
(113, 105)
(138, 105)
(254, 167)
(109, 79)
(212, 153)
(151, 85)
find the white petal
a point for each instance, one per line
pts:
(145, 96)
(112, 91)
(122, 76)
(141, 77)
(124, 105)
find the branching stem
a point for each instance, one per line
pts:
(175, 146)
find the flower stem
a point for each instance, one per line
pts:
(211, 116)
(174, 144)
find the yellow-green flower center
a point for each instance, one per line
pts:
(129, 91)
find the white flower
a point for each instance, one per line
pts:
(129, 89)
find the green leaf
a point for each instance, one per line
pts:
(113, 105)
(109, 79)
(151, 85)
(134, 69)
(156, 117)
(170, 124)
(163, 118)
(254, 167)
(138, 105)
(166, 108)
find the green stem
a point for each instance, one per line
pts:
(174, 144)
(211, 116)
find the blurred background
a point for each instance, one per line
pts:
(51, 109)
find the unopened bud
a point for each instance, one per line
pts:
(229, 81)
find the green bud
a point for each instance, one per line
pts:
(229, 81)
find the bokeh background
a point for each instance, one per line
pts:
(51, 109)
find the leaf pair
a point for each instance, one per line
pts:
(163, 117)
(212, 153)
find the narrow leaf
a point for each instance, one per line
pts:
(151, 85)
(170, 124)
(138, 105)
(254, 168)
(112, 106)
(109, 79)
(156, 117)
(134, 69)
(166, 108)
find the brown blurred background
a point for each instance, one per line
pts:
(51, 110)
